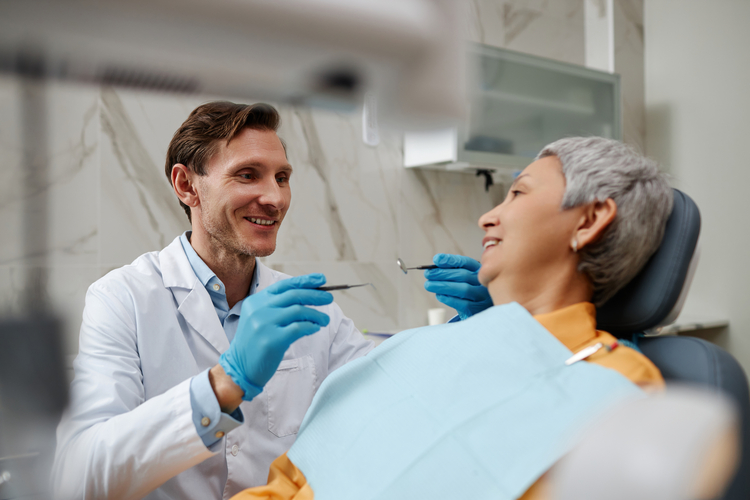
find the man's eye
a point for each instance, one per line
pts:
(282, 178)
(246, 176)
(516, 192)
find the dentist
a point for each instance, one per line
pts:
(197, 362)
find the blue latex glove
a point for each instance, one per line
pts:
(456, 285)
(270, 322)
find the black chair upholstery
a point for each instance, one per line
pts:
(650, 297)
(695, 361)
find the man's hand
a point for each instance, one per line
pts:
(455, 284)
(270, 322)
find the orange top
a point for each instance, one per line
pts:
(574, 326)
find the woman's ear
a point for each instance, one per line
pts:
(596, 217)
(184, 188)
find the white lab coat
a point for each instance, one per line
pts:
(147, 329)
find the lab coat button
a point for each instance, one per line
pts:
(205, 421)
(235, 450)
(217, 287)
(219, 434)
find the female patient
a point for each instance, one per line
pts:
(576, 226)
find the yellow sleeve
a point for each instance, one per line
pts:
(285, 482)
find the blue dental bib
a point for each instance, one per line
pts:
(475, 409)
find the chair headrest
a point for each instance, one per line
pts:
(653, 294)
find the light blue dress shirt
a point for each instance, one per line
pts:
(202, 398)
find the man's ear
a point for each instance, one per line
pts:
(184, 187)
(596, 217)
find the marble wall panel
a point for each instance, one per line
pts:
(375, 308)
(345, 190)
(74, 163)
(139, 212)
(11, 187)
(439, 213)
(355, 209)
(69, 191)
(629, 63)
(615, 42)
(12, 272)
(546, 28)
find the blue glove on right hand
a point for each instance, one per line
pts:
(456, 285)
(270, 322)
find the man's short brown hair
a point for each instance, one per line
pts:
(196, 140)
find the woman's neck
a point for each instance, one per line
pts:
(556, 292)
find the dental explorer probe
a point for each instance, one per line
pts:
(405, 269)
(333, 288)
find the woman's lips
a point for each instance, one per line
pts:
(490, 242)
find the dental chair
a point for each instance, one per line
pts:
(654, 298)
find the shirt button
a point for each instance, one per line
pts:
(205, 421)
(235, 450)
(217, 287)
(219, 434)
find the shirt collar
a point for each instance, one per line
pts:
(202, 271)
(574, 326)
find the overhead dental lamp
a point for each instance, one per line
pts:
(322, 52)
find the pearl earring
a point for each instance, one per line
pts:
(575, 245)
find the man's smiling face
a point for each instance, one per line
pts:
(245, 193)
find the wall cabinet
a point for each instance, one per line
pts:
(517, 104)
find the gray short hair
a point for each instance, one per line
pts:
(596, 169)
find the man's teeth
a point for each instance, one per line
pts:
(262, 222)
(491, 243)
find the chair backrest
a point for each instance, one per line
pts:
(698, 362)
(655, 293)
(653, 298)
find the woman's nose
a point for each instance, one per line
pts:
(490, 219)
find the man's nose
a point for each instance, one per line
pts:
(272, 195)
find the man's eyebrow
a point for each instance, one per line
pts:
(256, 164)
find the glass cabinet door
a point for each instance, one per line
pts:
(520, 103)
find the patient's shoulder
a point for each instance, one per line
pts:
(628, 362)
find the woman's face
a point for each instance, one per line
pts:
(528, 237)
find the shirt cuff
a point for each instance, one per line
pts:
(210, 422)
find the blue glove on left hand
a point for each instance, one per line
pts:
(271, 321)
(456, 285)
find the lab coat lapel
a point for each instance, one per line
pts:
(191, 297)
(266, 276)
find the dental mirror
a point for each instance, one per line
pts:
(333, 288)
(405, 269)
